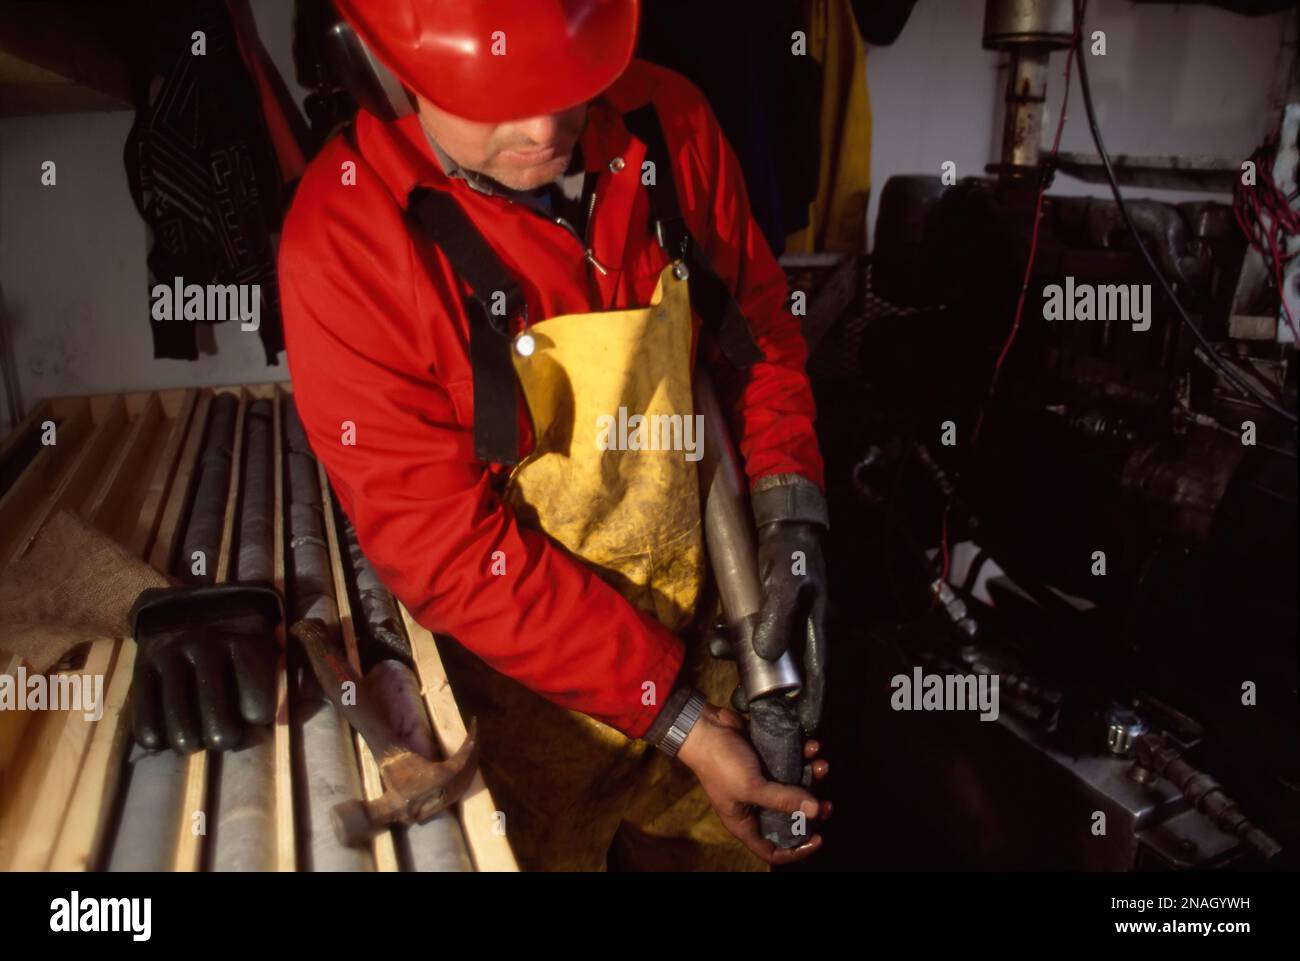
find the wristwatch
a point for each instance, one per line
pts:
(671, 741)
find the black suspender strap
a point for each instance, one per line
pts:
(710, 296)
(495, 297)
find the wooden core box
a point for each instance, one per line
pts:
(125, 463)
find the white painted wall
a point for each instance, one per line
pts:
(1177, 78)
(72, 269)
(1180, 78)
(73, 276)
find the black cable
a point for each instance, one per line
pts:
(1210, 352)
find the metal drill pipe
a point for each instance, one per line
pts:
(380, 621)
(155, 781)
(243, 838)
(208, 509)
(325, 769)
(255, 560)
(244, 833)
(768, 686)
(1026, 93)
(154, 796)
(733, 553)
(415, 788)
(1028, 30)
(438, 844)
(312, 593)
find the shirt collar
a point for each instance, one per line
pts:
(570, 183)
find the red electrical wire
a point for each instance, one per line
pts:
(943, 546)
(1020, 302)
(1033, 250)
(1267, 218)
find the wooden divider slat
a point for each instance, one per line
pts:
(92, 799)
(33, 492)
(77, 478)
(45, 775)
(384, 850)
(478, 813)
(232, 492)
(32, 495)
(163, 549)
(11, 730)
(188, 854)
(137, 400)
(106, 498)
(101, 404)
(88, 469)
(286, 858)
(174, 399)
(50, 792)
(56, 744)
(179, 448)
(12, 439)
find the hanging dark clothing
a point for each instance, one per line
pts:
(201, 167)
(765, 97)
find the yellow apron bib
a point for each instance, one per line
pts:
(612, 479)
(607, 393)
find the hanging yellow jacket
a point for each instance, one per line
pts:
(837, 218)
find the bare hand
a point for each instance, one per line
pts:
(718, 753)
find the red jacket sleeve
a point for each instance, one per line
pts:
(772, 404)
(360, 351)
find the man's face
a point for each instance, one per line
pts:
(521, 154)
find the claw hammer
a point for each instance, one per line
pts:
(415, 788)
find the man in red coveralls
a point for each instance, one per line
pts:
(491, 263)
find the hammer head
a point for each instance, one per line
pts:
(414, 791)
(415, 788)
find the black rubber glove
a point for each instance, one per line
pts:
(205, 667)
(792, 569)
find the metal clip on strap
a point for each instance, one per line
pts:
(710, 297)
(496, 426)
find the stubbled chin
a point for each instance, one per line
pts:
(530, 178)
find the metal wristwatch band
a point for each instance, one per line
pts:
(672, 706)
(673, 740)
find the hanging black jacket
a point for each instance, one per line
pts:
(200, 165)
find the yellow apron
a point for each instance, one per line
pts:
(611, 488)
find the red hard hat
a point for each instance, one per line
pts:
(496, 60)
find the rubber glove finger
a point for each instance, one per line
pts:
(776, 620)
(146, 708)
(255, 661)
(812, 695)
(217, 716)
(179, 716)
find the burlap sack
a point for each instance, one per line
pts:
(74, 585)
